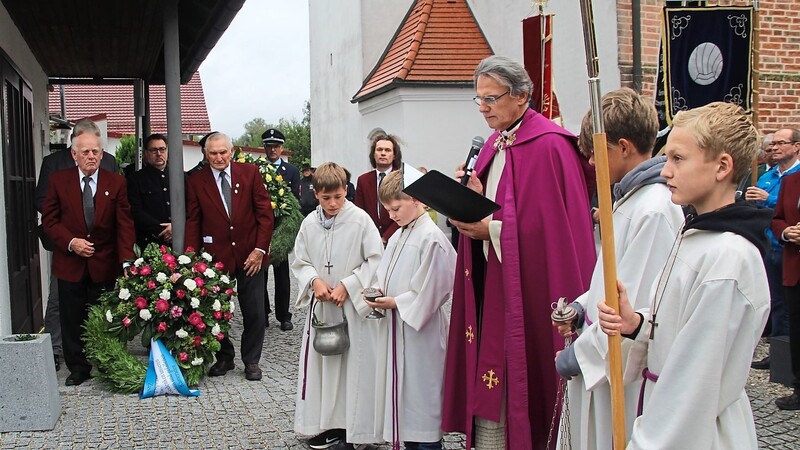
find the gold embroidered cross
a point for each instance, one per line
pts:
(470, 334)
(490, 379)
(502, 142)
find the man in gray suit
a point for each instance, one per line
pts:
(61, 159)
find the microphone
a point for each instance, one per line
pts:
(472, 158)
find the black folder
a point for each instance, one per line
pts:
(449, 197)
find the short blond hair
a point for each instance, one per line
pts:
(392, 188)
(329, 177)
(626, 115)
(722, 127)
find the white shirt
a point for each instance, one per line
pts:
(92, 181)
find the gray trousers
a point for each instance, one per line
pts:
(52, 322)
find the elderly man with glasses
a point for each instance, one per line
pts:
(148, 193)
(785, 145)
(500, 386)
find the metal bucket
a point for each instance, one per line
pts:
(330, 339)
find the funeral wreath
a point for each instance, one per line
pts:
(184, 300)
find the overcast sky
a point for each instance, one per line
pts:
(259, 67)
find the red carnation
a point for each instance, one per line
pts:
(195, 318)
(140, 302)
(197, 341)
(200, 282)
(215, 288)
(151, 284)
(183, 356)
(230, 292)
(220, 336)
(162, 305)
(218, 315)
(172, 265)
(167, 258)
(126, 322)
(189, 249)
(146, 270)
(201, 327)
(180, 293)
(133, 270)
(200, 267)
(219, 265)
(162, 327)
(163, 249)
(228, 316)
(203, 292)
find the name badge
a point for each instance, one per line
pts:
(208, 240)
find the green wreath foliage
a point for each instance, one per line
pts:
(285, 232)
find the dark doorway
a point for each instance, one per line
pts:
(16, 113)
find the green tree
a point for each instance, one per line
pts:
(125, 152)
(296, 132)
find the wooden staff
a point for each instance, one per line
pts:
(756, 74)
(606, 225)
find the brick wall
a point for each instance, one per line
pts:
(779, 56)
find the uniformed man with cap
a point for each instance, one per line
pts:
(148, 194)
(203, 161)
(273, 141)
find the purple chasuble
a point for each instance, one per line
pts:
(548, 252)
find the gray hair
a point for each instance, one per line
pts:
(84, 126)
(762, 151)
(507, 72)
(217, 136)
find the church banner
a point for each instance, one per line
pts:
(706, 57)
(541, 72)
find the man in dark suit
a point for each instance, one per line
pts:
(385, 156)
(87, 215)
(61, 159)
(786, 227)
(148, 192)
(229, 214)
(273, 145)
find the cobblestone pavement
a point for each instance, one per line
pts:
(238, 414)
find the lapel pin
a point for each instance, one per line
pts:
(106, 193)
(235, 191)
(237, 185)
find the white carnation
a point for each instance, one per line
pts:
(124, 294)
(190, 284)
(215, 330)
(233, 307)
(209, 273)
(145, 314)
(164, 295)
(138, 262)
(197, 361)
(161, 277)
(224, 279)
(109, 316)
(216, 306)
(195, 302)
(181, 333)
(183, 259)
(206, 256)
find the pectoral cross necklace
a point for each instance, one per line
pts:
(662, 287)
(329, 246)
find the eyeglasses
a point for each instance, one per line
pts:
(779, 143)
(157, 150)
(489, 99)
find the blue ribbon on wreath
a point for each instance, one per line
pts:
(163, 376)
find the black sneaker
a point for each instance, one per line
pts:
(327, 439)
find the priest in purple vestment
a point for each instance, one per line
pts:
(512, 266)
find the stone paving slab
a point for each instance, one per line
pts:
(233, 413)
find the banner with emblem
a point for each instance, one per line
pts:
(537, 38)
(706, 57)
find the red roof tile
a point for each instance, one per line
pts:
(117, 103)
(439, 42)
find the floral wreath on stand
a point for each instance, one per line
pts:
(184, 300)
(285, 206)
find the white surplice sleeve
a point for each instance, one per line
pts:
(431, 285)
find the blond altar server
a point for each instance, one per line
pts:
(335, 256)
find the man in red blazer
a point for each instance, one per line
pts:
(786, 226)
(87, 215)
(385, 156)
(229, 213)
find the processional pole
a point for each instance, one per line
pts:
(755, 72)
(606, 224)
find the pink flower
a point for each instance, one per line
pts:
(200, 267)
(195, 318)
(175, 277)
(146, 270)
(215, 289)
(133, 270)
(151, 284)
(203, 292)
(200, 282)
(162, 305)
(172, 265)
(183, 356)
(189, 249)
(162, 327)
(167, 258)
(163, 250)
(197, 341)
(227, 316)
(180, 293)
(176, 311)
(220, 336)
(201, 327)
(218, 315)
(140, 302)
(219, 265)
(229, 291)
(126, 322)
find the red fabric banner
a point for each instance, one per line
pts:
(533, 41)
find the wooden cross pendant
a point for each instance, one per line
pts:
(328, 266)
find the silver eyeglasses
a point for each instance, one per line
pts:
(489, 99)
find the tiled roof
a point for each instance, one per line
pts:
(439, 42)
(116, 101)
